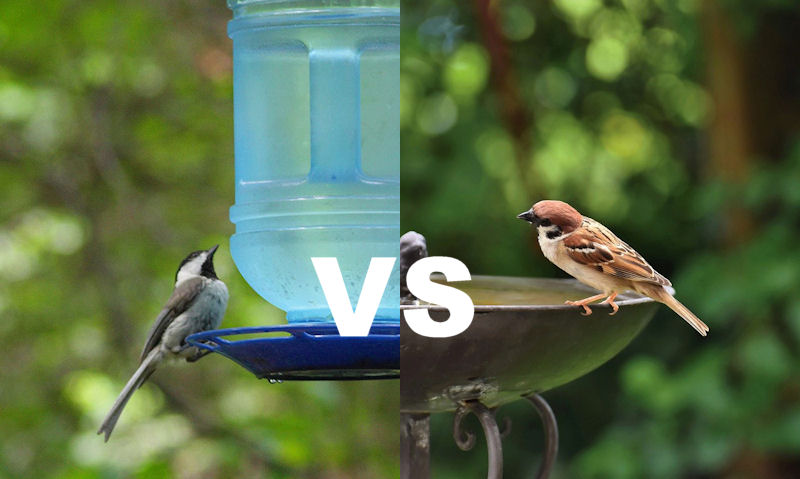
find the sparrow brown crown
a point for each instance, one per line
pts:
(559, 214)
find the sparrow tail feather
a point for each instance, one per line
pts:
(139, 377)
(659, 293)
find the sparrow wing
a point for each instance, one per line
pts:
(181, 299)
(595, 245)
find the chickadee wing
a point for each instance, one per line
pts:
(181, 299)
(595, 245)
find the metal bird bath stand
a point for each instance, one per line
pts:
(523, 340)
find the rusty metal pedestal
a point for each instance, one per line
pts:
(415, 438)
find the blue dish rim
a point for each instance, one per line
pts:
(309, 351)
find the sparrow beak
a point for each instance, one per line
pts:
(212, 250)
(527, 216)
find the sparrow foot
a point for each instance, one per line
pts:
(610, 301)
(586, 310)
(583, 303)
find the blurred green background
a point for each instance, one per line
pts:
(677, 125)
(116, 160)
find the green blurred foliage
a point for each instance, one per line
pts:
(615, 110)
(116, 160)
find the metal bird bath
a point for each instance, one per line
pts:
(523, 341)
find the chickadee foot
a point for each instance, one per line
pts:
(192, 357)
(200, 354)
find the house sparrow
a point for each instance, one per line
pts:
(592, 254)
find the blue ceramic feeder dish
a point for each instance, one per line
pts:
(310, 351)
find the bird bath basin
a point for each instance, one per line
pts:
(523, 339)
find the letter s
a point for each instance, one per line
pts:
(457, 302)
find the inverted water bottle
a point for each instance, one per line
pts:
(316, 120)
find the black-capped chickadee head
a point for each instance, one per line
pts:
(197, 263)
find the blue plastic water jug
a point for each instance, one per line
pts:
(317, 137)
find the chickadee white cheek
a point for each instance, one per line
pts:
(191, 268)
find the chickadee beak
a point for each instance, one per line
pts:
(212, 250)
(527, 216)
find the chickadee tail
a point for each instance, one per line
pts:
(144, 371)
(663, 295)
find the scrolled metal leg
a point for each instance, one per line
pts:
(415, 445)
(465, 440)
(505, 428)
(550, 434)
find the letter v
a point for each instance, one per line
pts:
(348, 322)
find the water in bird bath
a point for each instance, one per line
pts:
(509, 291)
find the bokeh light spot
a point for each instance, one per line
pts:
(466, 71)
(606, 58)
(437, 114)
(577, 9)
(555, 87)
(518, 22)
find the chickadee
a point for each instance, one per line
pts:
(197, 304)
(595, 256)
